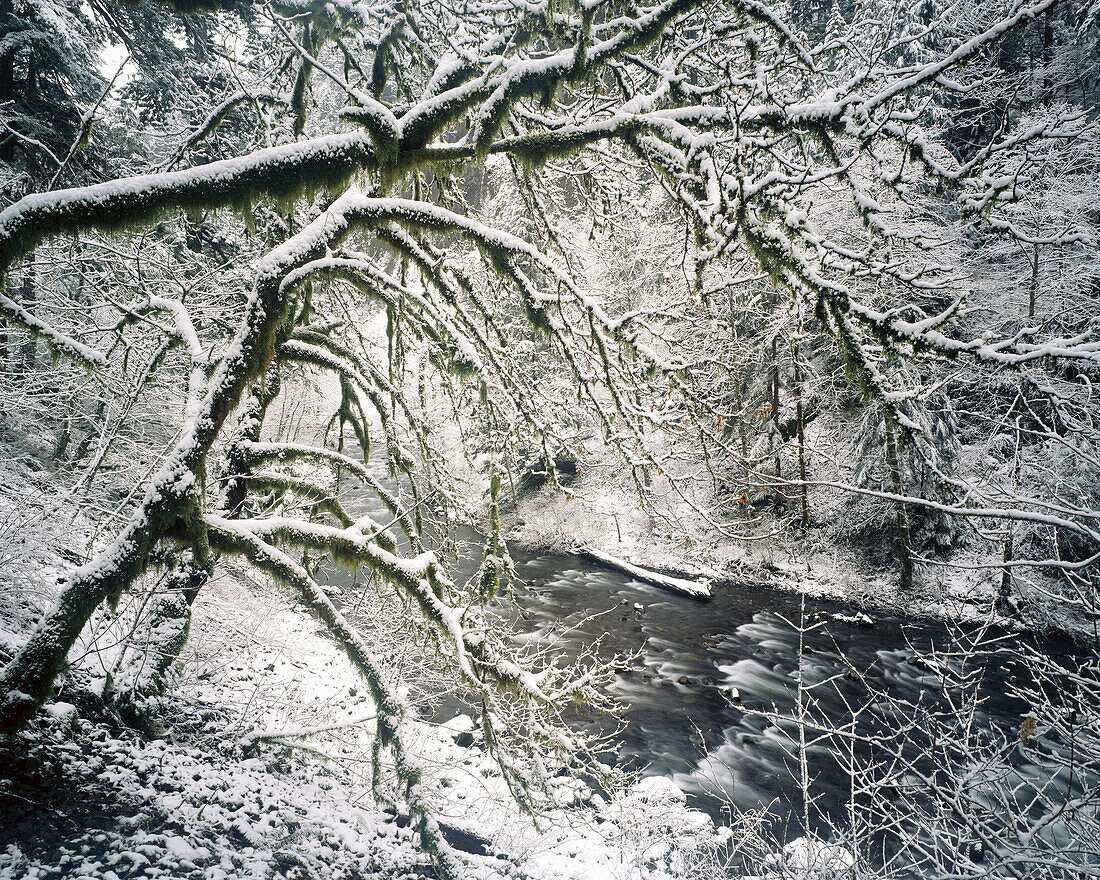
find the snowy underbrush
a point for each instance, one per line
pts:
(41, 536)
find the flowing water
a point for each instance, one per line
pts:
(701, 698)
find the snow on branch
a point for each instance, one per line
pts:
(696, 588)
(60, 342)
(124, 203)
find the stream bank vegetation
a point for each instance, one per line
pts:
(818, 275)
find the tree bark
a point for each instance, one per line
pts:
(801, 438)
(29, 352)
(7, 144)
(775, 420)
(1048, 58)
(1004, 593)
(1033, 288)
(7, 80)
(905, 553)
(739, 400)
(259, 399)
(155, 647)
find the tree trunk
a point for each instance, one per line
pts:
(4, 404)
(171, 507)
(62, 444)
(29, 301)
(192, 232)
(85, 444)
(739, 400)
(1004, 593)
(1033, 288)
(259, 399)
(7, 81)
(801, 437)
(1048, 58)
(905, 553)
(775, 418)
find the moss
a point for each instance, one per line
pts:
(535, 150)
(462, 367)
(115, 210)
(384, 137)
(539, 317)
(492, 121)
(298, 97)
(383, 59)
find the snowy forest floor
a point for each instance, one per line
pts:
(81, 794)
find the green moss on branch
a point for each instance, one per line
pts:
(134, 202)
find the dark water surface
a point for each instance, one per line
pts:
(701, 698)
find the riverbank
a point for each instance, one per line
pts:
(600, 511)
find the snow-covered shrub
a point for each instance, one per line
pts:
(806, 858)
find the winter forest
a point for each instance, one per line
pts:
(550, 439)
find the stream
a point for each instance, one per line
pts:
(707, 675)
